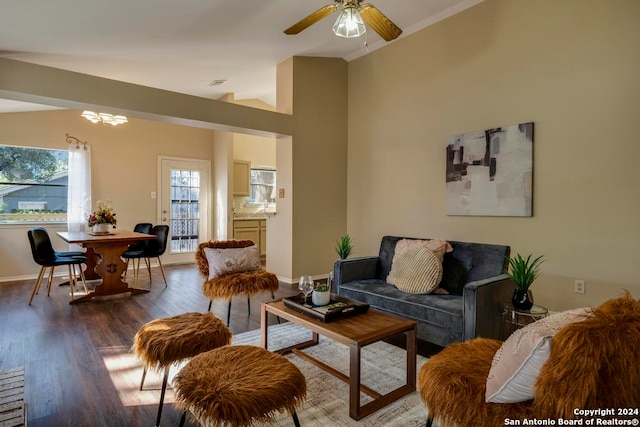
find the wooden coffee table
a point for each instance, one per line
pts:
(355, 332)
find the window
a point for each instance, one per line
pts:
(185, 210)
(33, 184)
(263, 185)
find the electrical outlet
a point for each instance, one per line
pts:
(579, 286)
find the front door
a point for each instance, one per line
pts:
(184, 206)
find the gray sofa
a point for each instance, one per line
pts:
(472, 273)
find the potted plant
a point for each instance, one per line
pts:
(523, 272)
(344, 246)
(321, 294)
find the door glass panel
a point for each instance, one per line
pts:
(185, 211)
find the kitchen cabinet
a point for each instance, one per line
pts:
(263, 239)
(253, 229)
(241, 178)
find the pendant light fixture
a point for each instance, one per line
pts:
(108, 119)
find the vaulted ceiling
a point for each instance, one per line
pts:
(186, 46)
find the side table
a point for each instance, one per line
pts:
(513, 318)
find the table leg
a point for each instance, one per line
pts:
(264, 317)
(90, 265)
(110, 269)
(412, 347)
(90, 271)
(354, 381)
(358, 412)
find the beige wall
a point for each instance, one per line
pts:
(318, 162)
(258, 150)
(124, 167)
(570, 66)
(309, 219)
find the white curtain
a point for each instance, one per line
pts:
(79, 189)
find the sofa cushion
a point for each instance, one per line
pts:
(517, 363)
(416, 270)
(439, 247)
(455, 274)
(442, 311)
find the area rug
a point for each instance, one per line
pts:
(13, 409)
(327, 404)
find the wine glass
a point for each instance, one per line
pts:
(306, 285)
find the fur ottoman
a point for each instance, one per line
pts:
(239, 386)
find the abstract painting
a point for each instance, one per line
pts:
(490, 172)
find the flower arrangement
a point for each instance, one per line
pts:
(103, 214)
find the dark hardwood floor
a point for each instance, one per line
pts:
(76, 357)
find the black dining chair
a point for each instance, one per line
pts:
(44, 255)
(155, 248)
(141, 227)
(134, 251)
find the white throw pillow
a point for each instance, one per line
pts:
(517, 363)
(232, 260)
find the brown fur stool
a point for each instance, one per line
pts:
(239, 386)
(227, 286)
(163, 342)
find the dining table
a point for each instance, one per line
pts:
(104, 260)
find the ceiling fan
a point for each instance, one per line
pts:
(349, 23)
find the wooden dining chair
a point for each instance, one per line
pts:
(45, 256)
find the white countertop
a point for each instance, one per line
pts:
(249, 216)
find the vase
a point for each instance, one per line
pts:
(101, 228)
(320, 298)
(522, 300)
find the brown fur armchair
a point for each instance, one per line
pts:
(593, 364)
(229, 285)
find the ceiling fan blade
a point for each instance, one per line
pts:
(312, 19)
(380, 23)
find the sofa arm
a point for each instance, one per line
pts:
(483, 306)
(348, 270)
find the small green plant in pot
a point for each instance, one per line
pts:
(322, 287)
(523, 272)
(344, 246)
(321, 295)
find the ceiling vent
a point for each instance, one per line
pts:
(217, 82)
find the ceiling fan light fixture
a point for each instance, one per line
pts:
(349, 23)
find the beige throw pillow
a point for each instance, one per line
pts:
(439, 247)
(232, 260)
(416, 270)
(517, 363)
